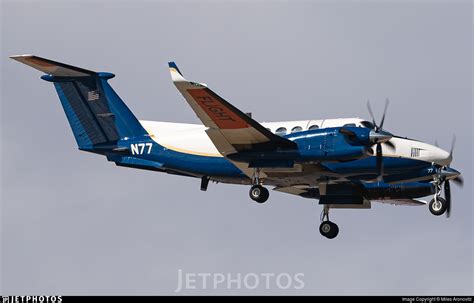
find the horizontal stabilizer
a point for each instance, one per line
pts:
(96, 114)
(52, 67)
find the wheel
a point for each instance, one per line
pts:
(329, 229)
(259, 193)
(438, 207)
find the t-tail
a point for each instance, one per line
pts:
(99, 119)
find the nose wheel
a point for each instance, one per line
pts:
(438, 206)
(327, 228)
(259, 193)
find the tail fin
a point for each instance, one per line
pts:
(96, 114)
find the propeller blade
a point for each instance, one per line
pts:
(447, 195)
(384, 112)
(379, 162)
(452, 145)
(370, 151)
(459, 180)
(390, 144)
(371, 115)
(436, 143)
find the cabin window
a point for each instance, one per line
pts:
(349, 125)
(281, 131)
(415, 152)
(296, 129)
(313, 127)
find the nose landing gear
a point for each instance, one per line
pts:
(438, 205)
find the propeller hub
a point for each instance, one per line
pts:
(449, 173)
(379, 136)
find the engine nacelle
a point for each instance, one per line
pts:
(331, 144)
(356, 193)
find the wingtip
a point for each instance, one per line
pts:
(172, 65)
(176, 74)
(16, 57)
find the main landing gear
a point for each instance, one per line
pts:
(257, 192)
(327, 228)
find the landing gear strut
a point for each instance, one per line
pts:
(438, 205)
(327, 228)
(257, 192)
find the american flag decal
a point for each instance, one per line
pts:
(92, 95)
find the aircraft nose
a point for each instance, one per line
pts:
(450, 173)
(440, 156)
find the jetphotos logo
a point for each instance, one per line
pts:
(32, 299)
(232, 281)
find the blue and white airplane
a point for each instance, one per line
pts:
(332, 160)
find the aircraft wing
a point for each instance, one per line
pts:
(409, 202)
(301, 190)
(230, 129)
(294, 190)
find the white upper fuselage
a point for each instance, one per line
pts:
(193, 139)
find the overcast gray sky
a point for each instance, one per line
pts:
(73, 223)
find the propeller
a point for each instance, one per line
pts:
(378, 127)
(447, 196)
(379, 136)
(379, 161)
(458, 180)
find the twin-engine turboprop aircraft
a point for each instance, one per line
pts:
(332, 160)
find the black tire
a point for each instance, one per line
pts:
(265, 195)
(438, 208)
(329, 229)
(259, 193)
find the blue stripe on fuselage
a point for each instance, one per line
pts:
(220, 166)
(185, 162)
